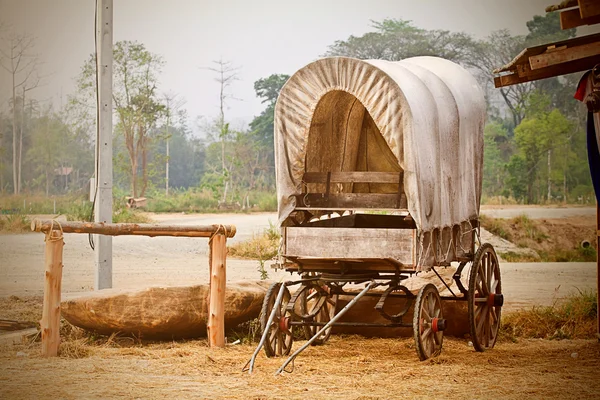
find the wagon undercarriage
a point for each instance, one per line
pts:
(312, 310)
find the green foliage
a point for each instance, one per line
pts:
(397, 39)
(183, 201)
(268, 88)
(497, 150)
(545, 29)
(80, 211)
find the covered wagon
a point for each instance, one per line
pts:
(379, 172)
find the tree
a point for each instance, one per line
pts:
(536, 137)
(497, 152)
(496, 50)
(226, 75)
(397, 39)
(501, 47)
(16, 59)
(172, 106)
(263, 126)
(136, 103)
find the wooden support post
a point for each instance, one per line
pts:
(216, 304)
(50, 323)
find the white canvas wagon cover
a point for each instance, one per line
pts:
(422, 115)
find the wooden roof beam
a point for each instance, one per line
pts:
(589, 8)
(525, 74)
(572, 19)
(559, 56)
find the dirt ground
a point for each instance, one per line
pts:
(346, 367)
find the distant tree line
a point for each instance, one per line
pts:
(534, 137)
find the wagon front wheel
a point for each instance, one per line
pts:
(280, 337)
(428, 322)
(485, 298)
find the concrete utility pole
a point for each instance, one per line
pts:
(104, 179)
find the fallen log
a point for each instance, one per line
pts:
(182, 312)
(161, 312)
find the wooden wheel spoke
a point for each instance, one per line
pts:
(481, 318)
(484, 319)
(272, 336)
(279, 342)
(492, 313)
(312, 295)
(426, 315)
(427, 306)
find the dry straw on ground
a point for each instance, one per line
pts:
(346, 367)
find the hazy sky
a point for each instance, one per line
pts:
(261, 36)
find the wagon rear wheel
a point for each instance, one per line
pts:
(318, 300)
(280, 338)
(485, 298)
(428, 322)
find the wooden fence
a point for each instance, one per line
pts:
(54, 230)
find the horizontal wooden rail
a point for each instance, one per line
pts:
(353, 177)
(351, 201)
(132, 229)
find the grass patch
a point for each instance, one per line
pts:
(261, 247)
(572, 318)
(15, 223)
(511, 256)
(554, 240)
(497, 226)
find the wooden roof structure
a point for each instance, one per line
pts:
(561, 58)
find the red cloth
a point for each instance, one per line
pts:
(581, 87)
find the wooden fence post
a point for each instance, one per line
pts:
(50, 323)
(216, 304)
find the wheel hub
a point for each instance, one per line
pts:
(284, 324)
(438, 324)
(495, 300)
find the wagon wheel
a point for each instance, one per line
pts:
(485, 298)
(316, 300)
(428, 322)
(280, 337)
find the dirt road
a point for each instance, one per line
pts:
(141, 262)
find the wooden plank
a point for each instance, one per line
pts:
(350, 243)
(366, 221)
(353, 177)
(548, 72)
(216, 305)
(338, 266)
(564, 4)
(344, 201)
(572, 19)
(561, 56)
(589, 8)
(50, 323)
